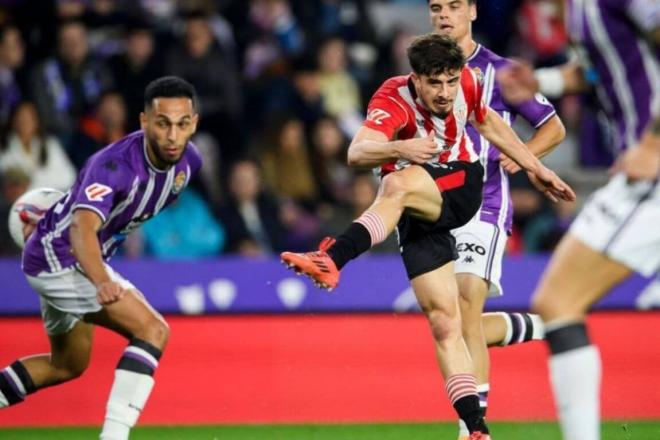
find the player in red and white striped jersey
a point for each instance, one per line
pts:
(432, 181)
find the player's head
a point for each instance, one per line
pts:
(169, 119)
(436, 61)
(453, 17)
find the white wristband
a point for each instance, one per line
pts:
(551, 82)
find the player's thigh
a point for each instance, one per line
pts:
(421, 197)
(72, 350)
(131, 316)
(576, 277)
(480, 247)
(437, 290)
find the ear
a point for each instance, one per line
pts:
(195, 120)
(143, 120)
(473, 12)
(416, 79)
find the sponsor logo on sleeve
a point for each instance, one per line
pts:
(96, 191)
(377, 116)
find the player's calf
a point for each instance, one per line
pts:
(15, 384)
(131, 388)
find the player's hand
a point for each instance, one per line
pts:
(638, 163)
(420, 150)
(509, 165)
(547, 182)
(517, 82)
(109, 292)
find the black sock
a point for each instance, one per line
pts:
(469, 411)
(353, 242)
(568, 337)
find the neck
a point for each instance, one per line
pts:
(468, 45)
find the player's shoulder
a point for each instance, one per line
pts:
(390, 87)
(117, 158)
(193, 156)
(483, 57)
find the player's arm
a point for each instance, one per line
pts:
(87, 250)
(544, 140)
(520, 82)
(497, 132)
(372, 148)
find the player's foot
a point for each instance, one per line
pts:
(478, 435)
(316, 265)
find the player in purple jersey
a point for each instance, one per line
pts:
(482, 241)
(65, 257)
(617, 231)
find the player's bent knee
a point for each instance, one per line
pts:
(444, 326)
(155, 332)
(393, 186)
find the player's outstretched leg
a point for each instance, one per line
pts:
(411, 189)
(147, 332)
(437, 294)
(576, 278)
(68, 359)
(505, 328)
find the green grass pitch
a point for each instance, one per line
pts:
(433, 431)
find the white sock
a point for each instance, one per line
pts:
(128, 396)
(575, 377)
(539, 327)
(463, 430)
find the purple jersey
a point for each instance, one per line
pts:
(496, 207)
(122, 187)
(622, 64)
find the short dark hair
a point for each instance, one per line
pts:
(434, 54)
(169, 87)
(472, 2)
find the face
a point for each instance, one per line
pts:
(327, 138)
(168, 125)
(452, 17)
(140, 47)
(332, 57)
(73, 43)
(244, 181)
(198, 37)
(25, 120)
(292, 136)
(12, 50)
(112, 111)
(438, 92)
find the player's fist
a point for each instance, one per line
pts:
(517, 82)
(420, 150)
(547, 182)
(109, 292)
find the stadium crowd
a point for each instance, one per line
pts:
(282, 87)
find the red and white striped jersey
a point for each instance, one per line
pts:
(396, 111)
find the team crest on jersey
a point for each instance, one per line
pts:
(377, 116)
(480, 75)
(179, 182)
(96, 191)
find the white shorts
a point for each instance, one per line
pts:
(67, 295)
(622, 220)
(480, 248)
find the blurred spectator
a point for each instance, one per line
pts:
(105, 21)
(201, 61)
(212, 172)
(12, 55)
(251, 217)
(363, 192)
(13, 183)
(329, 161)
(27, 147)
(543, 232)
(185, 230)
(542, 33)
(340, 92)
(69, 85)
(285, 160)
(106, 125)
(135, 68)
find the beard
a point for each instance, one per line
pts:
(153, 145)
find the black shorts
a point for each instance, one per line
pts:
(427, 246)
